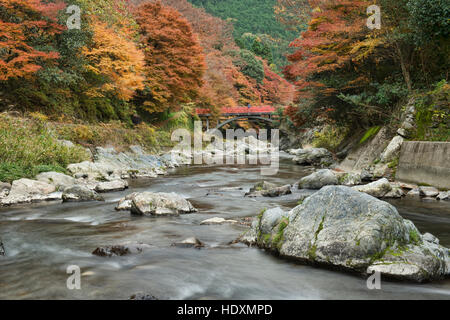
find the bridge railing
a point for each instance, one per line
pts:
(241, 110)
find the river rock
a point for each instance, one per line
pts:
(267, 189)
(143, 296)
(150, 203)
(407, 186)
(377, 189)
(392, 150)
(125, 203)
(79, 193)
(189, 243)
(217, 220)
(430, 192)
(319, 179)
(26, 191)
(314, 156)
(120, 250)
(341, 227)
(4, 189)
(350, 179)
(414, 193)
(111, 186)
(381, 170)
(444, 196)
(366, 175)
(2, 249)
(396, 192)
(59, 180)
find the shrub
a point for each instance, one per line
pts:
(330, 138)
(27, 148)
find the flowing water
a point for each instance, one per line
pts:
(43, 240)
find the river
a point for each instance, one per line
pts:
(43, 240)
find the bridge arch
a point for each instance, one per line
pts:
(220, 125)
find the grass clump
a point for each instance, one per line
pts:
(370, 134)
(27, 148)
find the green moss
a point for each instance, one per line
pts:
(370, 134)
(312, 252)
(342, 178)
(394, 163)
(414, 237)
(279, 237)
(313, 248)
(259, 216)
(267, 238)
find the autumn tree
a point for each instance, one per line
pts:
(275, 89)
(174, 60)
(24, 24)
(293, 13)
(347, 72)
(115, 57)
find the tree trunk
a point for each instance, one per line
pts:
(404, 67)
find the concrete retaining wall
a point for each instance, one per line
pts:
(425, 163)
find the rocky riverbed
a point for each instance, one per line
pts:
(314, 212)
(160, 255)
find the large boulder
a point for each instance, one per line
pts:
(59, 180)
(112, 186)
(26, 191)
(79, 193)
(313, 157)
(346, 229)
(319, 179)
(376, 189)
(267, 189)
(157, 204)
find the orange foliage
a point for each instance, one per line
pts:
(335, 29)
(117, 58)
(174, 60)
(18, 58)
(276, 89)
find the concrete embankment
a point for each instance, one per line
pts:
(424, 162)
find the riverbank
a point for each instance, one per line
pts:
(32, 145)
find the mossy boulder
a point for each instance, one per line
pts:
(346, 229)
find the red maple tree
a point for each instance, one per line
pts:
(18, 57)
